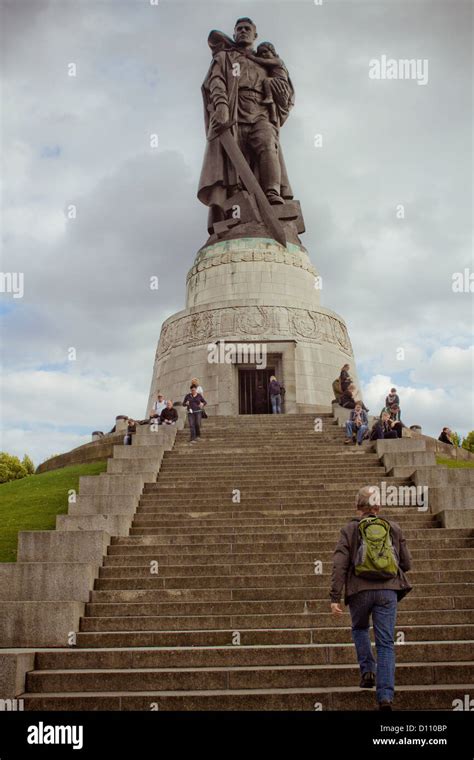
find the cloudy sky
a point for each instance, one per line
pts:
(84, 140)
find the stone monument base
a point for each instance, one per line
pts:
(247, 299)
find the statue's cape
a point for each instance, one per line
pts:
(217, 172)
(218, 41)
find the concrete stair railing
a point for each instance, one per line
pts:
(43, 594)
(450, 490)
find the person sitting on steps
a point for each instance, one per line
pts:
(131, 428)
(357, 424)
(336, 388)
(345, 379)
(445, 436)
(169, 415)
(395, 421)
(383, 428)
(392, 399)
(347, 400)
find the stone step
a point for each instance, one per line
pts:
(253, 487)
(276, 607)
(242, 621)
(261, 677)
(330, 456)
(224, 489)
(308, 533)
(249, 504)
(307, 478)
(136, 544)
(243, 444)
(263, 638)
(221, 455)
(132, 466)
(225, 568)
(286, 553)
(230, 436)
(150, 525)
(252, 594)
(140, 578)
(327, 511)
(228, 480)
(250, 472)
(152, 486)
(409, 698)
(276, 536)
(317, 452)
(233, 656)
(266, 420)
(256, 554)
(184, 564)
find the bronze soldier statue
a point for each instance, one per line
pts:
(250, 93)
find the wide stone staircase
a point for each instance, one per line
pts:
(218, 597)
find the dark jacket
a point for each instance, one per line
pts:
(345, 557)
(274, 388)
(381, 430)
(170, 415)
(344, 379)
(347, 400)
(444, 439)
(193, 403)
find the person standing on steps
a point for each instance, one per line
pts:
(274, 389)
(370, 562)
(198, 385)
(194, 402)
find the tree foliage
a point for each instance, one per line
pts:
(468, 442)
(12, 469)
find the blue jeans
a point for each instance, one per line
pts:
(351, 428)
(276, 403)
(194, 422)
(382, 605)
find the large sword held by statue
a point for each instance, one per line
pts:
(251, 183)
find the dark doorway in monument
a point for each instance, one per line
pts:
(254, 397)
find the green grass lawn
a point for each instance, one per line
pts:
(32, 503)
(455, 462)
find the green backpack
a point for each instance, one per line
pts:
(376, 558)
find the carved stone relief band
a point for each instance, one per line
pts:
(254, 322)
(295, 259)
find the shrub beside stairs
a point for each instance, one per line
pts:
(197, 577)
